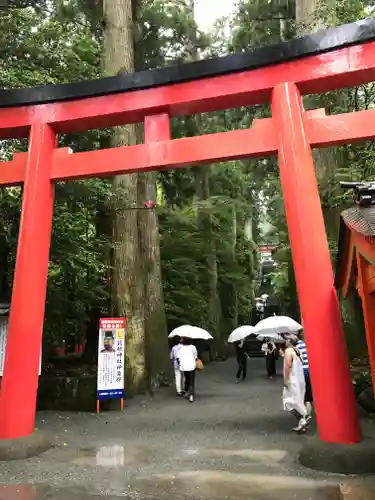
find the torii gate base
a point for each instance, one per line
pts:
(154, 97)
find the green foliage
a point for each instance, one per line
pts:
(182, 263)
(353, 161)
(61, 42)
(341, 11)
(37, 49)
(77, 272)
(184, 250)
(257, 23)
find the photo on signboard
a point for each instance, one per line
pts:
(107, 341)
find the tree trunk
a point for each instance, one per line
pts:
(228, 289)
(128, 289)
(326, 160)
(202, 181)
(159, 367)
(157, 351)
(306, 19)
(234, 308)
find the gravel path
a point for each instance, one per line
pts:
(234, 442)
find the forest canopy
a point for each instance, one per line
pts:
(193, 259)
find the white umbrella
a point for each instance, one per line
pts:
(276, 337)
(241, 333)
(275, 325)
(190, 332)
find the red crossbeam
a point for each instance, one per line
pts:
(335, 130)
(322, 131)
(238, 144)
(12, 173)
(256, 141)
(341, 68)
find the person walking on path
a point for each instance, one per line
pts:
(241, 361)
(187, 356)
(301, 346)
(270, 351)
(294, 386)
(178, 376)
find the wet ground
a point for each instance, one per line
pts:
(234, 442)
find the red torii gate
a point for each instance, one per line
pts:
(336, 58)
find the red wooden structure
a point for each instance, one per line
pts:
(356, 266)
(335, 59)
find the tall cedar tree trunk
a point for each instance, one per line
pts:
(234, 298)
(159, 366)
(202, 182)
(228, 289)
(204, 221)
(326, 160)
(157, 350)
(137, 282)
(127, 283)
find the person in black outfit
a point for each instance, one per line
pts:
(241, 361)
(270, 351)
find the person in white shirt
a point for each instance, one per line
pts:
(177, 372)
(187, 358)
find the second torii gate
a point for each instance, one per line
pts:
(336, 58)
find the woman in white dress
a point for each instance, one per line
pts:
(294, 386)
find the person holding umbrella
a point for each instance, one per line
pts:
(269, 331)
(294, 378)
(241, 361)
(187, 358)
(237, 337)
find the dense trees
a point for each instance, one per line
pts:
(193, 258)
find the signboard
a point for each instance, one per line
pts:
(3, 343)
(111, 358)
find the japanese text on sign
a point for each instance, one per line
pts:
(111, 358)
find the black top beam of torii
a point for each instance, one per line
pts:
(321, 42)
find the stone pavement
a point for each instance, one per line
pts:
(234, 442)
